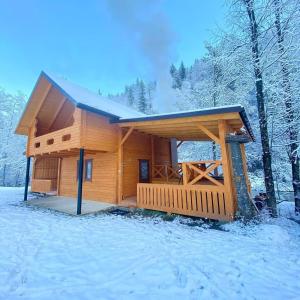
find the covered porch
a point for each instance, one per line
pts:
(202, 188)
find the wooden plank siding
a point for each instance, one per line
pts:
(98, 134)
(102, 187)
(139, 146)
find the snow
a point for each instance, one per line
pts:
(207, 110)
(46, 255)
(86, 97)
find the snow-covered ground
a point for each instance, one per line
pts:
(46, 255)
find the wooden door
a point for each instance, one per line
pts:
(144, 171)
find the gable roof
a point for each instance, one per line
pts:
(116, 112)
(85, 99)
(79, 96)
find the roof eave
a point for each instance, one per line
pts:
(232, 109)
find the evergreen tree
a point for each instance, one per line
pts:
(142, 104)
(173, 71)
(176, 78)
(182, 72)
(130, 96)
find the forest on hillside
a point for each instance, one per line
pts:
(253, 62)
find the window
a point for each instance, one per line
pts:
(88, 169)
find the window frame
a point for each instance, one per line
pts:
(86, 162)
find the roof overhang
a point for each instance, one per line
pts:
(184, 125)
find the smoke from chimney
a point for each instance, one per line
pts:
(151, 32)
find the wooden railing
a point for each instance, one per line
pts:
(190, 173)
(43, 185)
(62, 139)
(202, 171)
(192, 200)
(166, 172)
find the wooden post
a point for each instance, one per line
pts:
(58, 176)
(27, 178)
(184, 174)
(152, 156)
(226, 169)
(80, 178)
(120, 168)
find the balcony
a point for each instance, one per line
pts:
(63, 139)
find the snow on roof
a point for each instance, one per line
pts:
(203, 111)
(85, 99)
(197, 112)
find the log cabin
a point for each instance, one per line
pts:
(87, 146)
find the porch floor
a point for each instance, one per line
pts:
(69, 205)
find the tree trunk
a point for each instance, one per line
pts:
(289, 113)
(266, 155)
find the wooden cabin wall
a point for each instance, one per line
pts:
(162, 151)
(45, 168)
(104, 174)
(98, 133)
(138, 146)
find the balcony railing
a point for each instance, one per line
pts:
(62, 139)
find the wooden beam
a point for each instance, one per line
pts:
(152, 156)
(58, 176)
(184, 120)
(120, 169)
(128, 133)
(209, 133)
(226, 165)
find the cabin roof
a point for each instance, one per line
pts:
(184, 122)
(221, 110)
(79, 96)
(87, 100)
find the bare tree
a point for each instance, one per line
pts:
(260, 97)
(289, 106)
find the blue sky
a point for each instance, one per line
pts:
(84, 42)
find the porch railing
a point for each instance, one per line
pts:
(192, 200)
(190, 173)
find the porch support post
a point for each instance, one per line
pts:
(226, 165)
(27, 178)
(80, 177)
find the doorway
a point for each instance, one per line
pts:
(144, 171)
